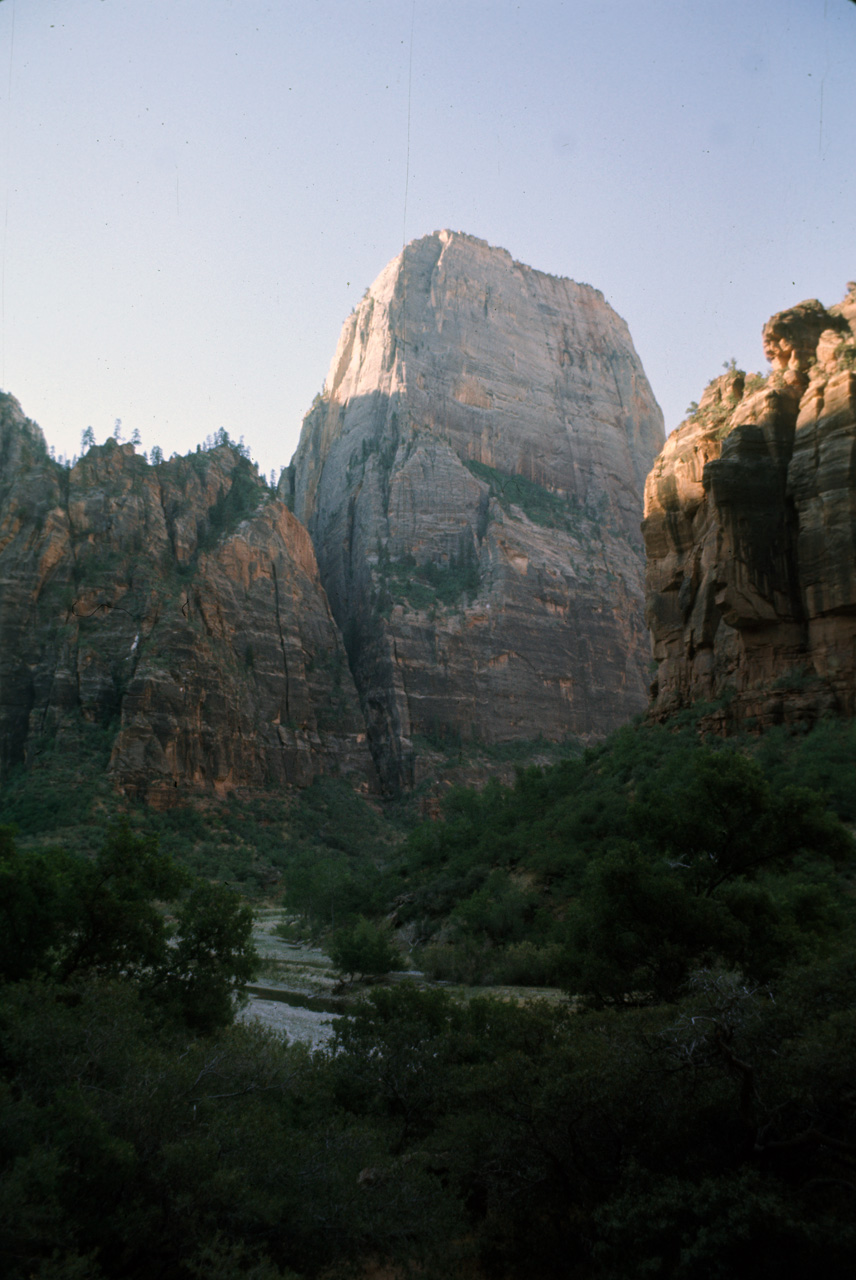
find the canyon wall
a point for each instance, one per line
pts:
(472, 476)
(750, 534)
(179, 607)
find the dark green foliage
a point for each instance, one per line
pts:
(475, 962)
(690, 1141)
(212, 953)
(35, 907)
(128, 1149)
(429, 584)
(63, 916)
(324, 849)
(714, 1137)
(363, 950)
(728, 822)
(695, 888)
(64, 779)
(637, 862)
(545, 828)
(700, 1124)
(234, 504)
(114, 925)
(822, 760)
(338, 862)
(543, 506)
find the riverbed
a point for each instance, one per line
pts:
(298, 992)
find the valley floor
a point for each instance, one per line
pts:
(299, 994)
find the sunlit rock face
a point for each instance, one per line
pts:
(176, 606)
(472, 479)
(750, 533)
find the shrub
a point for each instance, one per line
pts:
(363, 950)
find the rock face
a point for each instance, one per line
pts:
(472, 476)
(750, 532)
(178, 605)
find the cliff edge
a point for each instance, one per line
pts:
(178, 607)
(750, 534)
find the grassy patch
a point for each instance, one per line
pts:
(543, 506)
(428, 585)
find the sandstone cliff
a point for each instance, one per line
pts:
(177, 604)
(750, 532)
(472, 479)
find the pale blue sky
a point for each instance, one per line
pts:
(195, 193)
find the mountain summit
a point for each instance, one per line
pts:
(472, 478)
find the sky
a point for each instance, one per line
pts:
(195, 193)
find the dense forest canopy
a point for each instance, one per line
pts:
(685, 1110)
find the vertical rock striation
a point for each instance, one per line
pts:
(177, 606)
(750, 533)
(471, 476)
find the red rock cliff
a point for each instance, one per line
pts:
(750, 533)
(178, 605)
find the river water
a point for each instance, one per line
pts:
(298, 993)
(302, 1001)
(306, 1025)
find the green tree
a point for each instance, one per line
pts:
(37, 907)
(129, 913)
(363, 950)
(211, 953)
(727, 822)
(723, 870)
(115, 925)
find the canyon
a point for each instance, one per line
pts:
(452, 557)
(453, 560)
